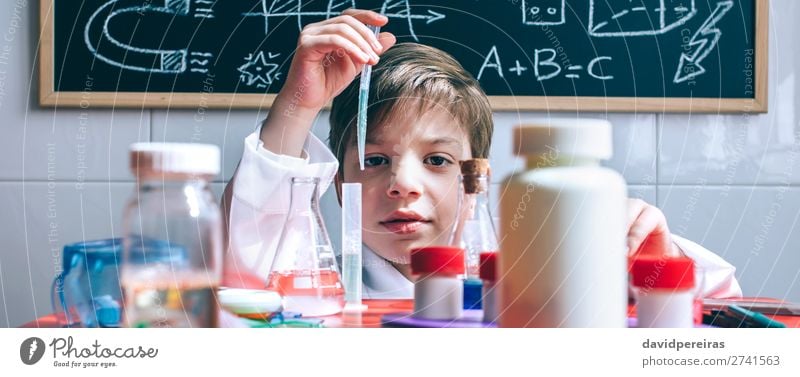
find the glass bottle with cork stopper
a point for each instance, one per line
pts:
(474, 230)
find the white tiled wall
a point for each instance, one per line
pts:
(730, 182)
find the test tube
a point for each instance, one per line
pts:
(351, 245)
(363, 101)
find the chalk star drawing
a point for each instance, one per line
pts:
(257, 71)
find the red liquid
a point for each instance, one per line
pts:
(312, 293)
(473, 262)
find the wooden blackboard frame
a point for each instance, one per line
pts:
(49, 97)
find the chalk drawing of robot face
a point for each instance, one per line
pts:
(543, 12)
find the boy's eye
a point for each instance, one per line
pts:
(372, 161)
(437, 161)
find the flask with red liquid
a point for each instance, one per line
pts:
(304, 270)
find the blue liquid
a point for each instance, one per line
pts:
(362, 124)
(351, 265)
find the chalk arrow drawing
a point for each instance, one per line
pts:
(399, 9)
(294, 8)
(703, 41)
(430, 17)
(402, 9)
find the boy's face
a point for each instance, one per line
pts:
(409, 182)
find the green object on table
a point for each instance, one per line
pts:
(279, 321)
(755, 319)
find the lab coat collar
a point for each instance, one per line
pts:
(381, 280)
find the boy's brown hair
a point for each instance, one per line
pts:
(411, 78)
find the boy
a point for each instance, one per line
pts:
(426, 114)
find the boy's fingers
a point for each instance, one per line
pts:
(361, 29)
(648, 234)
(333, 42)
(350, 34)
(656, 244)
(387, 40)
(367, 16)
(636, 234)
(635, 208)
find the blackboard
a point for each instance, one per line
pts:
(614, 55)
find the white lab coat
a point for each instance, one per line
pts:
(261, 200)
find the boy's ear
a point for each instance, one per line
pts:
(337, 181)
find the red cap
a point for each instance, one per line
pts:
(488, 269)
(444, 260)
(663, 272)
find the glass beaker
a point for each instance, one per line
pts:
(304, 270)
(88, 280)
(87, 292)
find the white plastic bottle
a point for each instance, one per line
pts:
(438, 286)
(665, 291)
(563, 255)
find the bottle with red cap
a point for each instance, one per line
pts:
(664, 289)
(488, 273)
(438, 287)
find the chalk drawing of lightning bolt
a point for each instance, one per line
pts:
(704, 40)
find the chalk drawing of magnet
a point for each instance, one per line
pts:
(646, 17)
(111, 50)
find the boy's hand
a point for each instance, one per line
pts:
(647, 230)
(330, 54)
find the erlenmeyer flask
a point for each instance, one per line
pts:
(304, 270)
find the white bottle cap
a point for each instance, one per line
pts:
(588, 138)
(174, 158)
(250, 301)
